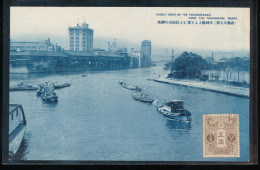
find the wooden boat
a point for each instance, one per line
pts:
(84, 75)
(22, 86)
(174, 110)
(121, 82)
(129, 86)
(40, 90)
(59, 86)
(49, 97)
(17, 126)
(142, 97)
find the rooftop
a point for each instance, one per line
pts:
(83, 26)
(39, 53)
(65, 53)
(78, 53)
(89, 54)
(175, 101)
(32, 42)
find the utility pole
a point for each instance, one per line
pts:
(210, 65)
(172, 61)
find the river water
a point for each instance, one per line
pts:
(96, 119)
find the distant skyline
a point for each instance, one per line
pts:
(131, 25)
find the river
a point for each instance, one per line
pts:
(96, 119)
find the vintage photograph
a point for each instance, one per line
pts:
(129, 84)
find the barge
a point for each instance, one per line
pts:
(142, 97)
(17, 126)
(59, 86)
(174, 110)
(129, 86)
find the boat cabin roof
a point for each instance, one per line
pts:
(174, 102)
(13, 107)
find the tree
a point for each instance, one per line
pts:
(239, 64)
(236, 65)
(225, 66)
(189, 65)
(245, 65)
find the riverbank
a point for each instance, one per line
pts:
(231, 90)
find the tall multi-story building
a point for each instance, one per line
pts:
(145, 56)
(81, 38)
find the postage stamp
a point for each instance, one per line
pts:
(221, 135)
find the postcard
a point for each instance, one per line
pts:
(129, 84)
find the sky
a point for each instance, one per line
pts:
(131, 25)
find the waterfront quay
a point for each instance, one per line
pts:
(58, 61)
(227, 89)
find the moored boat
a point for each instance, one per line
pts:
(120, 82)
(17, 126)
(58, 86)
(142, 97)
(21, 86)
(174, 110)
(49, 95)
(40, 89)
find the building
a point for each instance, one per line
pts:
(135, 57)
(101, 60)
(52, 61)
(145, 56)
(81, 38)
(98, 51)
(38, 61)
(112, 47)
(45, 45)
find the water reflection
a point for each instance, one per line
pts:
(23, 76)
(49, 104)
(178, 125)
